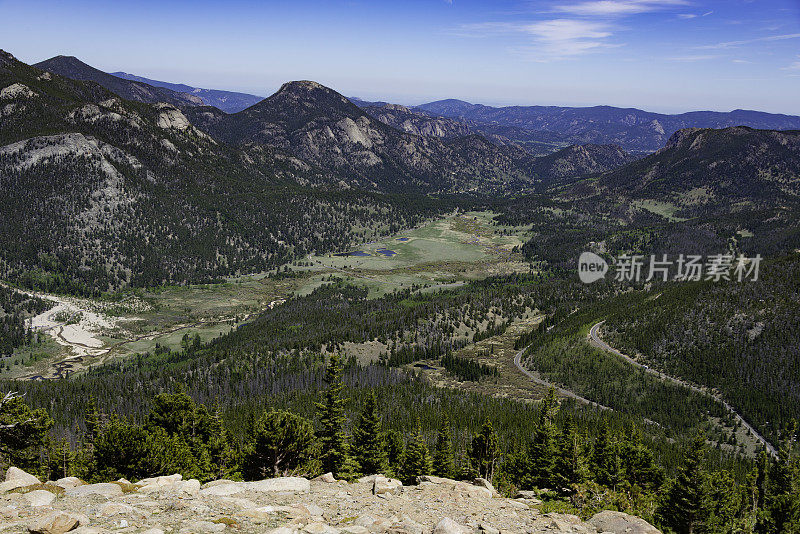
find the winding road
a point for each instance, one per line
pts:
(562, 391)
(594, 338)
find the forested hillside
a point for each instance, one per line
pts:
(92, 177)
(136, 90)
(15, 309)
(740, 339)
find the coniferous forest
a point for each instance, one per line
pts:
(471, 352)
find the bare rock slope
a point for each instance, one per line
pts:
(287, 505)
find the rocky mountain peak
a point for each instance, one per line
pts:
(6, 58)
(678, 137)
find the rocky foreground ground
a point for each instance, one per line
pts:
(289, 505)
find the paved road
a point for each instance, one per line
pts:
(562, 391)
(594, 338)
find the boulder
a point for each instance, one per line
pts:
(218, 482)
(382, 485)
(448, 526)
(68, 482)
(320, 528)
(37, 498)
(621, 523)
(435, 480)
(104, 489)
(229, 488)
(483, 483)
(159, 481)
(111, 509)
(281, 485)
(373, 524)
(17, 478)
(195, 527)
(410, 526)
(328, 478)
(56, 523)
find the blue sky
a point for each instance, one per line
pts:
(660, 55)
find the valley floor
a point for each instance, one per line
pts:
(441, 254)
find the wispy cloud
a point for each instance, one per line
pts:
(612, 8)
(686, 59)
(794, 66)
(734, 44)
(687, 16)
(553, 39)
(566, 37)
(580, 27)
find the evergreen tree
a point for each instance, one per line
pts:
(394, 451)
(120, 450)
(543, 448)
(568, 469)
(335, 453)
(605, 460)
(282, 442)
(416, 458)
(682, 506)
(369, 443)
(443, 464)
(638, 465)
(221, 454)
(23, 431)
(92, 421)
(485, 451)
(782, 501)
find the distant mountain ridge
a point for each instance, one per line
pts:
(702, 169)
(227, 101)
(72, 67)
(320, 126)
(633, 129)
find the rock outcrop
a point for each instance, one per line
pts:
(287, 505)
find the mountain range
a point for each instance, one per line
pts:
(633, 129)
(227, 101)
(98, 172)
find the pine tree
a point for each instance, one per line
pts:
(92, 421)
(394, 452)
(335, 456)
(281, 443)
(543, 448)
(638, 465)
(369, 443)
(569, 461)
(485, 451)
(682, 506)
(605, 460)
(782, 502)
(443, 465)
(222, 455)
(416, 458)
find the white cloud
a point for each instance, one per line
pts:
(733, 44)
(565, 37)
(611, 8)
(553, 39)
